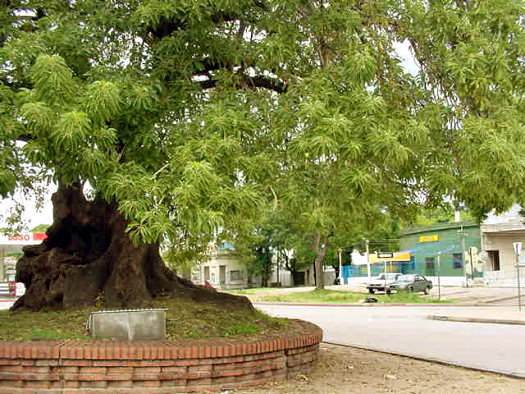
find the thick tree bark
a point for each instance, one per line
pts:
(88, 257)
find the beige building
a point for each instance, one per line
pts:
(223, 270)
(498, 233)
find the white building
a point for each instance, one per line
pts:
(223, 270)
(498, 233)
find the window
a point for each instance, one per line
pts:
(236, 276)
(429, 262)
(457, 260)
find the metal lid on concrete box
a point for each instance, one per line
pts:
(128, 324)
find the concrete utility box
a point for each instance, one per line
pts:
(128, 325)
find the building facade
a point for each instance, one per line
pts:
(457, 245)
(498, 234)
(223, 270)
(10, 247)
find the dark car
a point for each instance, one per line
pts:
(413, 282)
(378, 284)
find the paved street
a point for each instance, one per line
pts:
(408, 331)
(5, 304)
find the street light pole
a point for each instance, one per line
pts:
(339, 252)
(462, 236)
(439, 274)
(517, 252)
(367, 251)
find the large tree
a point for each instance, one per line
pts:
(364, 136)
(186, 116)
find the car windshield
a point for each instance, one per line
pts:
(405, 278)
(389, 276)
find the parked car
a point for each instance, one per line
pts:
(413, 282)
(378, 284)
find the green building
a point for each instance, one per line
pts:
(455, 241)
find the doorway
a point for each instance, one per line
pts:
(493, 260)
(222, 274)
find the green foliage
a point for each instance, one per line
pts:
(195, 117)
(41, 228)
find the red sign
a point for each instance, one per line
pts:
(39, 236)
(27, 237)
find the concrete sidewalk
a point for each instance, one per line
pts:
(483, 315)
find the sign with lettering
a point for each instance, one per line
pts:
(429, 238)
(23, 239)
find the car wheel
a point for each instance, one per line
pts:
(410, 289)
(371, 291)
(427, 289)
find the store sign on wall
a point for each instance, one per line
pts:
(429, 238)
(23, 238)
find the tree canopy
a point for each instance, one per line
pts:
(190, 116)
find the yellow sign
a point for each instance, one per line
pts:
(398, 256)
(429, 238)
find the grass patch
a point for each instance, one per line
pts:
(183, 320)
(346, 297)
(253, 290)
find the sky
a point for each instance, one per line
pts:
(32, 217)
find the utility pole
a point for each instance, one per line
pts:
(367, 251)
(517, 252)
(278, 266)
(471, 264)
(439, 274)
(462, 236)
(339, 252)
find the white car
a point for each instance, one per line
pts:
(378, 284)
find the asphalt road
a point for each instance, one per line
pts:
(407, 331)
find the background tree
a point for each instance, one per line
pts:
(186, 117)
(262, 264)
(41, 228)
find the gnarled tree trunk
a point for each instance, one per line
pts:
(88, 256)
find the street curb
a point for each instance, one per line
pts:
(372, 305)
(464, 319)
(503, 299)
(432, 359)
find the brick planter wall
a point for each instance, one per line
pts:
(156, 366)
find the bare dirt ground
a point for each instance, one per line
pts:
(342, 370)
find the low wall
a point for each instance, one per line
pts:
(156, 366)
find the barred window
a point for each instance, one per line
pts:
(430, 262)
(236, 275)
(457, 260)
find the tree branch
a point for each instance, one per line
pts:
(250, 83)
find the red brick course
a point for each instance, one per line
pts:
(155, 366)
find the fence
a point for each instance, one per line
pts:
(409, 267)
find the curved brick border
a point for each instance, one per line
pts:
(156, 366)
